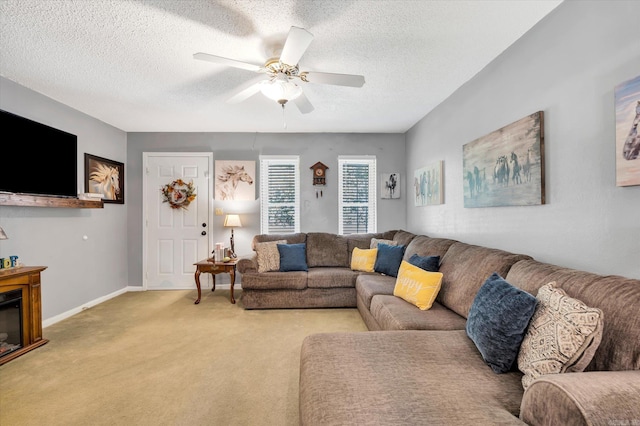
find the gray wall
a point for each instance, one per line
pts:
(566, 66)
(79, 271)
(317, 214)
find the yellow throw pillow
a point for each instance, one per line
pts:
(417, 286)
(363, 259)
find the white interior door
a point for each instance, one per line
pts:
(175, 238)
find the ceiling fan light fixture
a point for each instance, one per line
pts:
(280, 89)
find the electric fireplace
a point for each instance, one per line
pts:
(20, 311)
(10, 321)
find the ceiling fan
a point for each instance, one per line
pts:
(279, 75)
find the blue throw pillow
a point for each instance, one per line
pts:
(388, 259)
(293, 257)
(498, 320)
(428, 263)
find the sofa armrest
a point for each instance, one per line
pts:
(594, 398)
(247, 264)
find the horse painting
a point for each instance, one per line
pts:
(228, 179)
(390, 186)
(500, 171)
(632, 144)
(428, 185)
(105, 180)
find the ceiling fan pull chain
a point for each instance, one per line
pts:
(284, 120)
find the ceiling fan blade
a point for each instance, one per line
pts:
(226, 61)
(246, 90)
(335, 79)
(298, 40)
(303, 104)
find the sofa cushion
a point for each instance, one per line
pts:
(388, 259)
(376, 241)
(563, 335)
(397, 378)
(428, 263)
(427, 246)
(368, 285)
(465, 268)
(394, 313)
(613, 294)
(268, 256)
(289, 238)
(324, 249)
(296, 280)
(328, 277)
(417, 286)
(498, 321)
(293, 257)
(403, 238)
(363, 259)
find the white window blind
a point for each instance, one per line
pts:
(356, 194)
(279, 195)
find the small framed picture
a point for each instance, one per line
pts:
(390, 185)
(103, 176)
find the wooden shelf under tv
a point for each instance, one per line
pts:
(37, 201)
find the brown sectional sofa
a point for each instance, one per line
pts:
(420, 367)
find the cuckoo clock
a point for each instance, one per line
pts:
(319, 173)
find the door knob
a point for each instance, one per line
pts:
(204, 225)
(203, 233)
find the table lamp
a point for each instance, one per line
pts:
(232, 221)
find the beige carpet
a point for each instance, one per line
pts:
(155, 358)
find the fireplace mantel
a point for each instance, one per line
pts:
(26, 279)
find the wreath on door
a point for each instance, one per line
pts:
(178, 194)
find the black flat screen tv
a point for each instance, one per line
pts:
(37, 159)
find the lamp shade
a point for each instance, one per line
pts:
(3, 236)
(232, 220)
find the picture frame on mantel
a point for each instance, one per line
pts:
(627, 106)
(104, 176)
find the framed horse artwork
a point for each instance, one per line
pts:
(428, 184)
(627, 105)
(506, 167)
(106, 177)
(234, 180)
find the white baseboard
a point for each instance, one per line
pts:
(72, 312)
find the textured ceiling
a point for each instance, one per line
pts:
(130, 63)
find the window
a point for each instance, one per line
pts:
(279, 194)
(356, 194)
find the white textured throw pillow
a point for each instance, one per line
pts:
(268, 255)
(563, 335)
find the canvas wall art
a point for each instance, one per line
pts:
(506, 167)
(390, 184)
(106, 177)
(427, 182)
(234, 180)
(627, 104)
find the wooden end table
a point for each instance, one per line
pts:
(213, 268)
